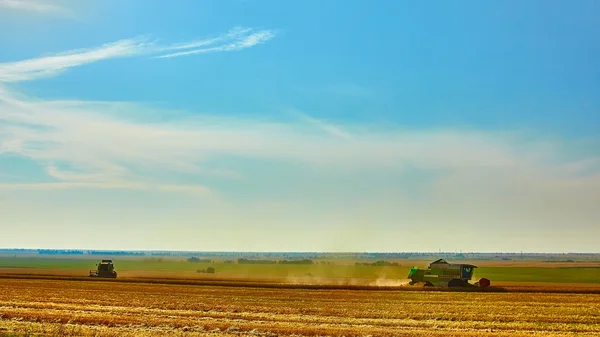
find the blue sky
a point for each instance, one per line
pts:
(284, 125)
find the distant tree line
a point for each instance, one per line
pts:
(248, 261)
(197, 260)
(303, 261)
(377, 264)
(59, 252)
(115, 252)
(89, 252)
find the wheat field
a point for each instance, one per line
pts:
(79, 308)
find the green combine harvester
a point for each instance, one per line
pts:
(105, 269)
(443, 274)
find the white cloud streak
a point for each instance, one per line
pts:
(110, 150)
(328, 128)
(238, 42)
(194, 190)
(46, 66)
(32, 6)
(234, 33)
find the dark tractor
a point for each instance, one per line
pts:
(105, 269)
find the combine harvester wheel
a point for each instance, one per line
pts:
(483, 283)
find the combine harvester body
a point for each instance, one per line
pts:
(443, 274)
(105, 269)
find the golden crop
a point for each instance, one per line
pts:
(65, 308)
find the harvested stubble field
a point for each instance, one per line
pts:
(104, 308)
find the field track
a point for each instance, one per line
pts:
(502, 287)
(57, 307)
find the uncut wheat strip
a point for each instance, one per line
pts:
(447, 312)
(59, 329)
(369, 309)
(248, 313)
(253, 315)
(399, 309)
(414, 305)
(55, 329)
(132, 330)
(119, 318)
(477, 311)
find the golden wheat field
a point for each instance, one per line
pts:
(79, 308)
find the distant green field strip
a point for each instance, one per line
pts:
(538, 274)
(508, 274)
(271, 270)
(47, 263)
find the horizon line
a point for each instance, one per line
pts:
(298, 252)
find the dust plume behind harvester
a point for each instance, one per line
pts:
(443, 274)
(105, 268)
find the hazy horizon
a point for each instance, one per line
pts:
(312, 126)
(307, 251)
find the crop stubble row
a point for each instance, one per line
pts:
(111, 308)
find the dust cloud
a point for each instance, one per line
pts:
(315, 280)
(382, 281)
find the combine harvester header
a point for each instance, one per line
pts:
(443, 274)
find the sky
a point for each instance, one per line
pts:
(241, 125)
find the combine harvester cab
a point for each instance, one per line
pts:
(106, 268)
(443, 274)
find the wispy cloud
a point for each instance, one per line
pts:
(234, 33)
(46, 66)
(237, 39)
(52, 65)
(196, 190)
(108, 149)
(32, 6)
(328, 128)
